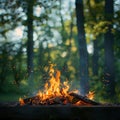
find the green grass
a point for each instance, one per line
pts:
(9, 97)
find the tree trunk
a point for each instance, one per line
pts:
(84, 85)
(63, 31)
(109, 74)
(30, 40)
(95, 58)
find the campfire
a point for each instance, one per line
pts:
(57, 102)
(57, 93)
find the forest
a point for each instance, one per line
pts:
(78, 37)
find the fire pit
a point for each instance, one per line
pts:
(56, 102)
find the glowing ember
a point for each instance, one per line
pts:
(54, 92)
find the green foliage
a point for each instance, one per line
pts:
(93, 30)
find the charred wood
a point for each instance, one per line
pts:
(84, 99)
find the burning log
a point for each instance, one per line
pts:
(84, 99)
(35, 100)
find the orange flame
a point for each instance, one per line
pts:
(21, 101)
(90, 95)
(53, 88)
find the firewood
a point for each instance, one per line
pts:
(29, 100)
(84, 99)
(35, 100)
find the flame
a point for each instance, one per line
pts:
(90, 95)
(53, 88)
(55, 91)
(21, 101)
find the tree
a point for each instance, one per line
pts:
(109, 74)
(84, 85)
(30, 39)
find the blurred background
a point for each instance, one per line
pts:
(82, 39)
